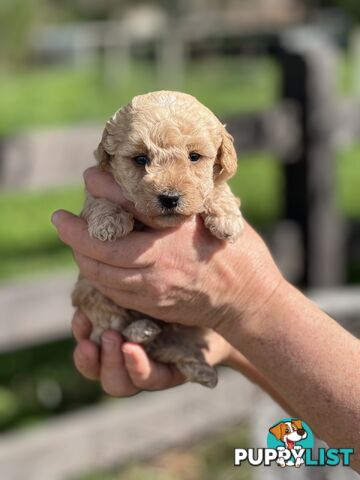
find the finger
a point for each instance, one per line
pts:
(115, 277)
(114, 378)
(103, 185)
(136, 250)
(146, 374)
(81, 326)
(130, 300)
(86, 359)
(138, 302)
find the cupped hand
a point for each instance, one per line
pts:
(123, 368)
(182, 275)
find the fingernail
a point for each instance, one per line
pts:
(55, 217)
(107, 343)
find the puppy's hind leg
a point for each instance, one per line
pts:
(102, 312)
(198, 372)
(185, 354)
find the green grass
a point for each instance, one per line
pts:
(57, 96)
(29, 245)
(39, 382)
(28, 241)
(348, 181)
(62, 96)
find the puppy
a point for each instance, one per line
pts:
(172, 157)
(289, 433)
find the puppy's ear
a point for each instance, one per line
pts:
(108, 144)
(226, 161)
(102, 154)
(102, 157)
(276, 431)
(297, 423)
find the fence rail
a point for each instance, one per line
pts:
(48, 301)
(116, 432)
(302, 131)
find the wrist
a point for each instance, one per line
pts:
(258, 308)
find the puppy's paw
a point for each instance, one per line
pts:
(96, 334)
(111, 227)
(227, 227)
(142, 331)
(112, 322)
(199, 372)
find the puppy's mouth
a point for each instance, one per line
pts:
(170, 218)
(172, 215)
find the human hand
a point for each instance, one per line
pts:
(124, 369)
(182, 275)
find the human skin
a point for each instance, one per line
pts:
(185, 275)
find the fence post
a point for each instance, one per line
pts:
(308, 68)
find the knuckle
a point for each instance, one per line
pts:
(110, 390)
(150, 384)
(157, 287)
(115, 390)
(143, 381)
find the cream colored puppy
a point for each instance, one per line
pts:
(172, 157)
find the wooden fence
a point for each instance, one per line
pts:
(302, 131)
(119, 431)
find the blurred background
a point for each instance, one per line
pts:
(285, 77)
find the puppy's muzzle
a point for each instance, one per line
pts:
(170, 201)
(301, 432)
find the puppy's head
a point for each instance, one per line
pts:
(167, 151)
(289, 432)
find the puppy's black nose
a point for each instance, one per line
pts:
(301, 432)
(169, 201)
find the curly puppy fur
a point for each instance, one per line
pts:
(166, 127)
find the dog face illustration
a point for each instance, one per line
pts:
(289, 432)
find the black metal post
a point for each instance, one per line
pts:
(309, 79)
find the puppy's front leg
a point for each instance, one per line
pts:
(106, 220)
(222, 214)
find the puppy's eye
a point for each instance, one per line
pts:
(142, 160)
(287, 430)
(194, 157)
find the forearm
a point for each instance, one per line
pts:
(308, 359)
(238, 362)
